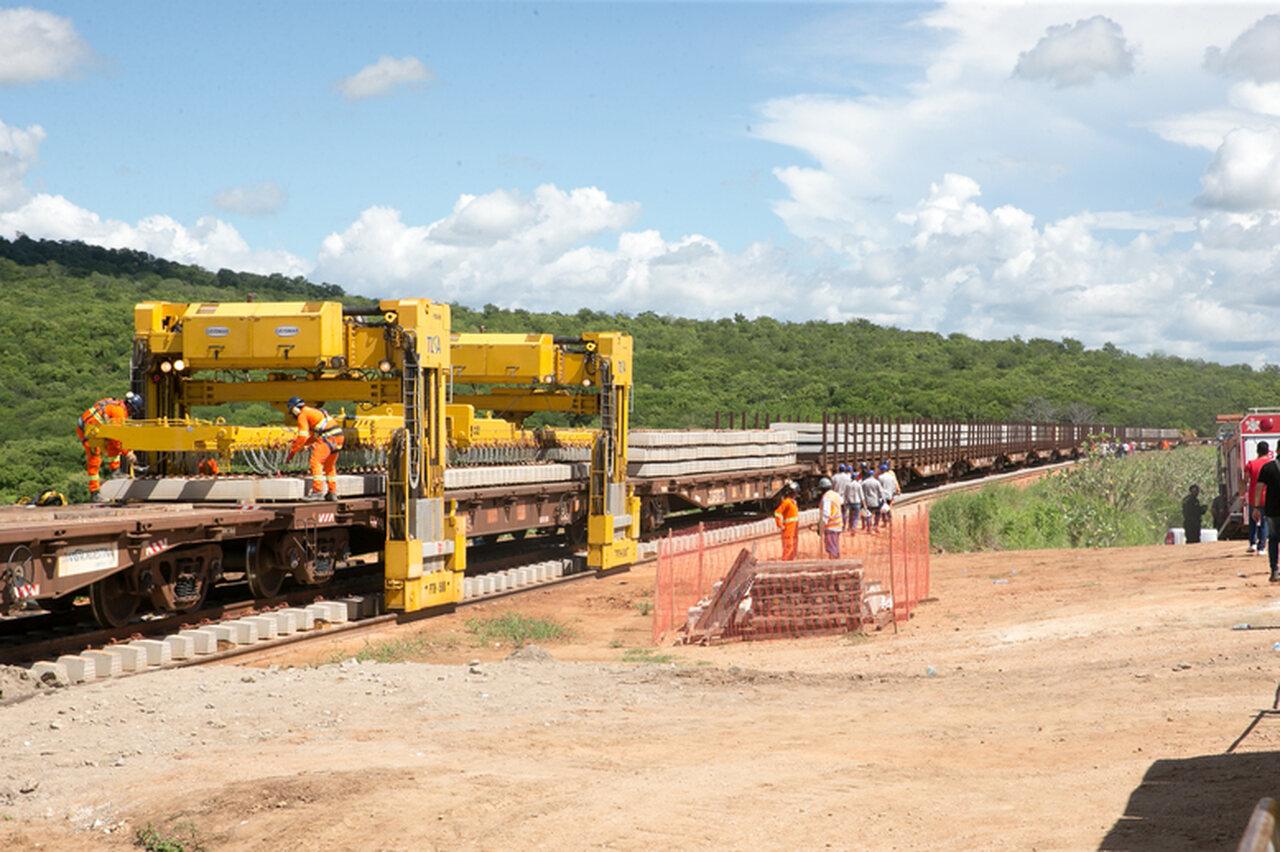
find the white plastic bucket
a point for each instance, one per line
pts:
(1175, 535)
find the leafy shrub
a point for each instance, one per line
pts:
(1101, 502)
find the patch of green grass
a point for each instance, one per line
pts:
(615, 643)
(646, 655)
(1101, 502)
(180, 837)
(644, 607)
(386, 651)
(516, 629)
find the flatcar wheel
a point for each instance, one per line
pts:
(112, 601)
(260, 570)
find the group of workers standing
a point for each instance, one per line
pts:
(1262, 505)
(317, 430)
(852, 498)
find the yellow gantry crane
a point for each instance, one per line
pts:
(398, 364)
(517, 375)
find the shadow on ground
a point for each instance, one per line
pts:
(1196, 802)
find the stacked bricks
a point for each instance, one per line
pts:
(767, 600)
(811, 602)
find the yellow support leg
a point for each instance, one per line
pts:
(605, 550)
(402, 575)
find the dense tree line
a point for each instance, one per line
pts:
(66, 314)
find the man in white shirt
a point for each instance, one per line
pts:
(872, 498)
(889, 487)
(852, 503)
(842, 478)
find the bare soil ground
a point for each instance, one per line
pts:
(1087, 702)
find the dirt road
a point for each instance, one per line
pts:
(1047, 700)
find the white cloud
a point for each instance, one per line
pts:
(1245, 172)
(383, 76)
(18, 151)
(210, 243)
(258, 199)
(1076, 54)
(994, 272)
(1255, 53)
(1208, 128)
(548, 251)
(37, 45)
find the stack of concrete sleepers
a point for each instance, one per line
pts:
(875, 440)
(484, 476)
(658, 453)
(247, 489)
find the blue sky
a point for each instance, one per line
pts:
(1109, 172)
(650, 101)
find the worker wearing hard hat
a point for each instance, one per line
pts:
(787, 517)
(323, 434)
(109, 410)
(830, 518)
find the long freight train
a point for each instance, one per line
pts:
(433, 468)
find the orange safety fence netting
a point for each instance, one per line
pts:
(895, 555)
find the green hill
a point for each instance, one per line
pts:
(66, 317)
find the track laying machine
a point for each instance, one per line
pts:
(419, 394)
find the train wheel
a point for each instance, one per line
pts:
(112, 601)
(262, 573)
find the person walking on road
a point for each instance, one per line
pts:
(1269, 475)
(889, 487)
(872, 499)
(787, 517)
(852, 503)
(830, 518)
(1255, 496)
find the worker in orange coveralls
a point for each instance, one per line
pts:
(316, 429)
(787, 517)
(208, 466)
(107, 410)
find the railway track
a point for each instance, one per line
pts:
(364, 583)
(45, 636)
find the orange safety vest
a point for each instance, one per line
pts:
(316, 424)
(103, 411)
(832, 512)
(787, 515)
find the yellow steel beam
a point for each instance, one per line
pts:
(526, 400)
(190, 435)
(208, 392)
